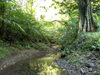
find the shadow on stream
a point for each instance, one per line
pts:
(35, 66)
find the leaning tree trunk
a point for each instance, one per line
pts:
(86, 22)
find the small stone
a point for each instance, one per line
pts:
(82, 71)
(90, 65)
(64, 69)
(69, 72)
(90, 69)
(81, 61)
(1, 69)
(98, 61)
(4, 66)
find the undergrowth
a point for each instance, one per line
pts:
(84, 42)
(7, 48)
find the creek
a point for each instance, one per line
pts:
(35, 66)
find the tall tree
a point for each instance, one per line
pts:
(86, 22)
(3, 8)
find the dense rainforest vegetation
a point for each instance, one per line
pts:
(73, 26)
(19, 25)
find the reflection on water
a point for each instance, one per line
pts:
(37, 66)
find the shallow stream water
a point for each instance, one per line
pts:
(35, 66)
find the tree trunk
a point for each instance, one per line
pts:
(3, 23)
(86, 22)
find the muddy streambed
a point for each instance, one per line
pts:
(35, 66)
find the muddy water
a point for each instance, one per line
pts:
(35, 66)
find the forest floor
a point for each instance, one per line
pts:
(78, 63)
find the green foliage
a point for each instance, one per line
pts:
(4, 53)
(74, 59)
(96, 6)
(66, 51)
(40, 46)
(87, 41)
(24, 30)
(98, 71)
(66, 7)
(97, 20)
(70, 33)
(21, 25)
(28, 47)
(84, 42)
(2, 43)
